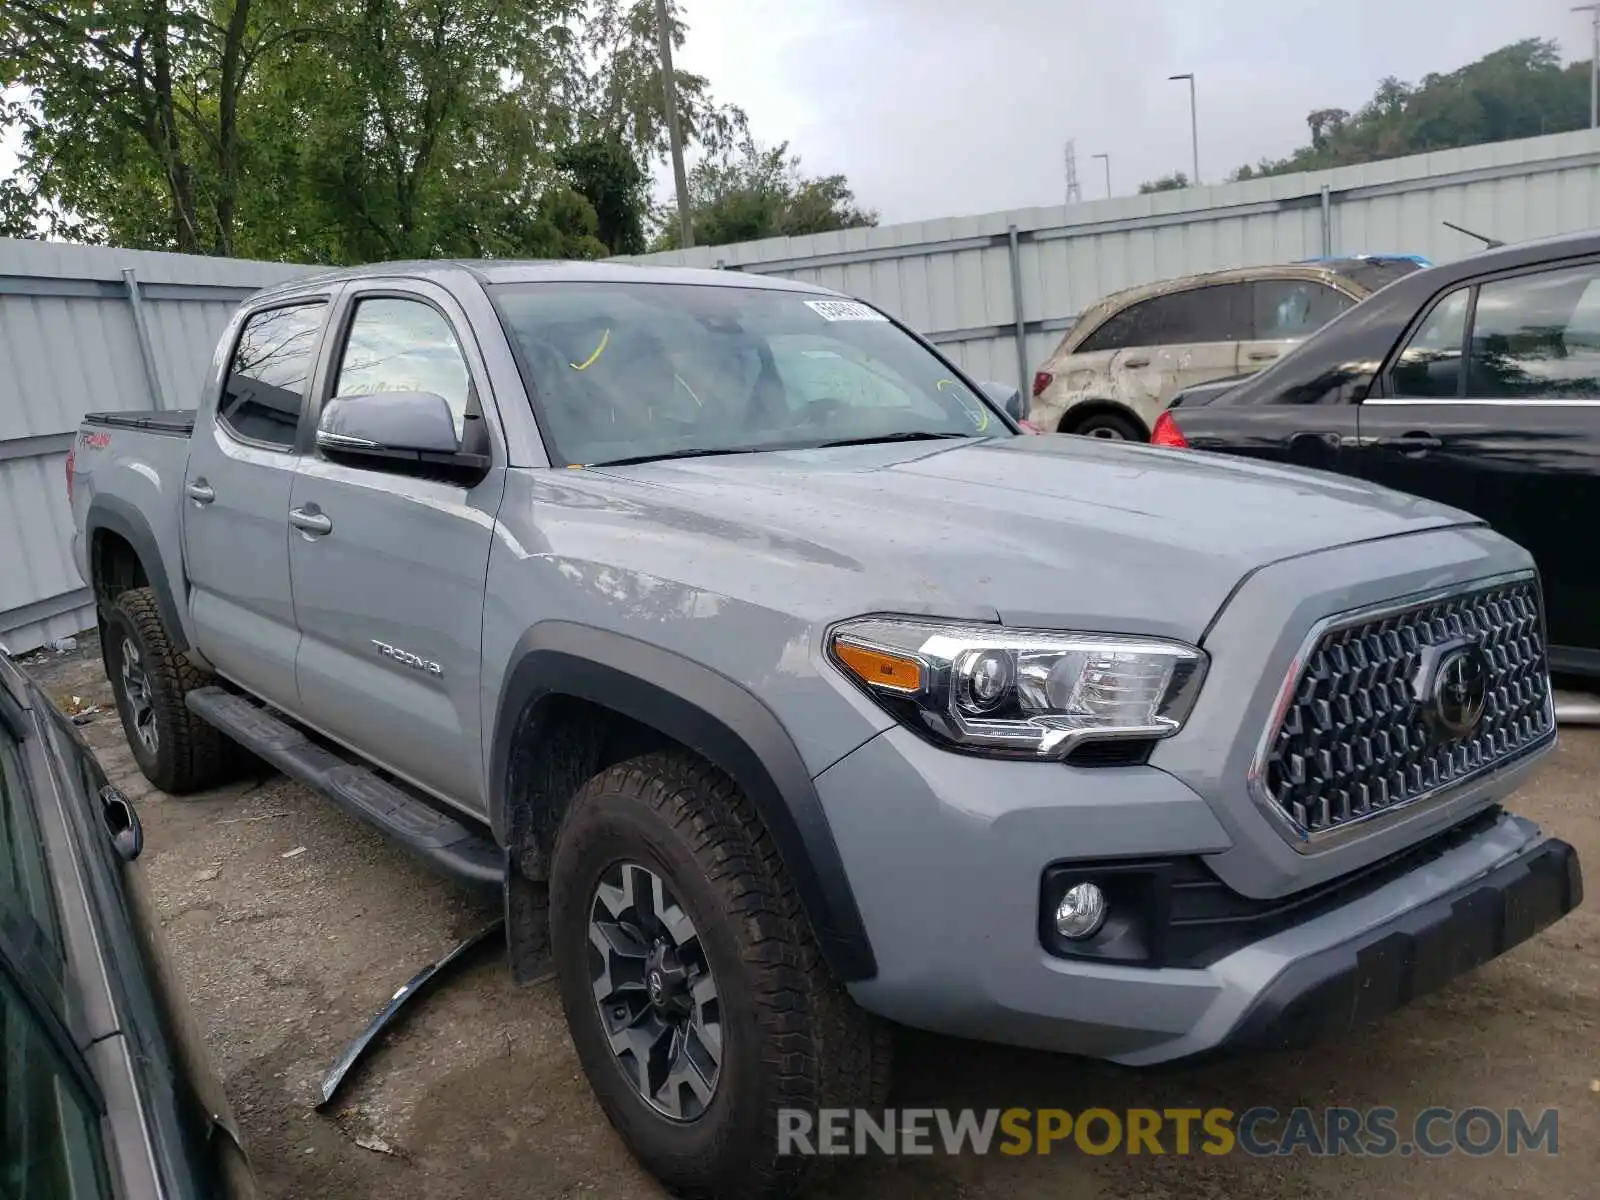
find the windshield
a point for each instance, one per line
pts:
(646, 370)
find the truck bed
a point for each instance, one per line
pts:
(164, 422)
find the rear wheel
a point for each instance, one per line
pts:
(1110, 426)
(176, 750)
(695, 995)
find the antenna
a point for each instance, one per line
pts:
(1069, 160)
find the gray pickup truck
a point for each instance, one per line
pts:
(786, 690)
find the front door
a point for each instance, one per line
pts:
(389, 569)
(235, 502)
(1494, 407)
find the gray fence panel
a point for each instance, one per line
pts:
(69, 345)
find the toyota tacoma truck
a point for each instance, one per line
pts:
(786, 690)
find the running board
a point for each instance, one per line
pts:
(446, 844)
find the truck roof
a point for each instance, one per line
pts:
(490, 271)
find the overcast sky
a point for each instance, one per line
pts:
(953, 107)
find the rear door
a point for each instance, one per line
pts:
(1167, 343)
(1283, 313)
(389, 596)
(1493, 405)
(236, 500)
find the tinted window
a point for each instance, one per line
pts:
(634, 370)
(1430, 365)
(1294, 308)
(267, 378)
(1373, 274)
(404, 346)
(1218, 313)
(49, 1136)
(24, 886)
(1537, 336)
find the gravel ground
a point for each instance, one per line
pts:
(292, 925)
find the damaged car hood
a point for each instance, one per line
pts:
(1052, 531)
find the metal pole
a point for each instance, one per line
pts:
(670, 96)
(1327, 222)
(1107, 158)
(141, 333)
(1020, 327)
(1194, 132)
(1594, 62)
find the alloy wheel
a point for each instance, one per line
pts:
(136, 692)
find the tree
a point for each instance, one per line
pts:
(1175, 182)
(1520, 90)
(751, 192)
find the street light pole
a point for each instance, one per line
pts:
(1594, 63)
(1107, 158)
(669, 91)
(1194, 125)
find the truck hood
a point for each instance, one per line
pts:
(1052, 531)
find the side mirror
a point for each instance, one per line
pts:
(413, 432)
(1007, 397)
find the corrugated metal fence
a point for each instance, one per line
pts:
(86, 329)
(997, 291)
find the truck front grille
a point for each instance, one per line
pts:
(1360, 734)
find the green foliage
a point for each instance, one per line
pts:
(1175, 182)
(751, 192)
(344, 131)
(1520, 90)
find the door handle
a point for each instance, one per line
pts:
(122, 823)
(310, 521)
(1412, 445)
(200, 492)
(1136, 362)
(1262, 355)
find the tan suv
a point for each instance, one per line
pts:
(1127, 356)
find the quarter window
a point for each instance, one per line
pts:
(267, 378)
(1430, 365)
(1537, 336)
(399, 345)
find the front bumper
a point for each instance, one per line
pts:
(945, 853)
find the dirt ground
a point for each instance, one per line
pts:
(292, 925)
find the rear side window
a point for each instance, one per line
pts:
(1430, 365)
(1294, 308)
(268, 375)
(1537, 336)
(24, 885)
(1217, 313)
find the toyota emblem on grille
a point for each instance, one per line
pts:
(1459, 690)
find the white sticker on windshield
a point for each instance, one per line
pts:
(844, 310)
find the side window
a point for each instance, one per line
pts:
(1294, 308)
(49, 1134)
(1537, 336)
(24, 885)
(1430, 365)
(1215, 313)
(267, 378)
(397, 345)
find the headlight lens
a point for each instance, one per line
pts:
(1020, 693)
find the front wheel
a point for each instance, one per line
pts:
(694, 991)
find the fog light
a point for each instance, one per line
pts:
(1081, 912)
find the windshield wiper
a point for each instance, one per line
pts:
(909, 435)
(689, 452)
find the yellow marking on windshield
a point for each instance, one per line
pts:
(688, 389)
(983, 413)
(605, 340)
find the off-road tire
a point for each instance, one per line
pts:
(792, 1037)
(190, 755)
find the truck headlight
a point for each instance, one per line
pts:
(1020, 693)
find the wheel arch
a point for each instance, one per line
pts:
(114, 529)
(535, 765)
